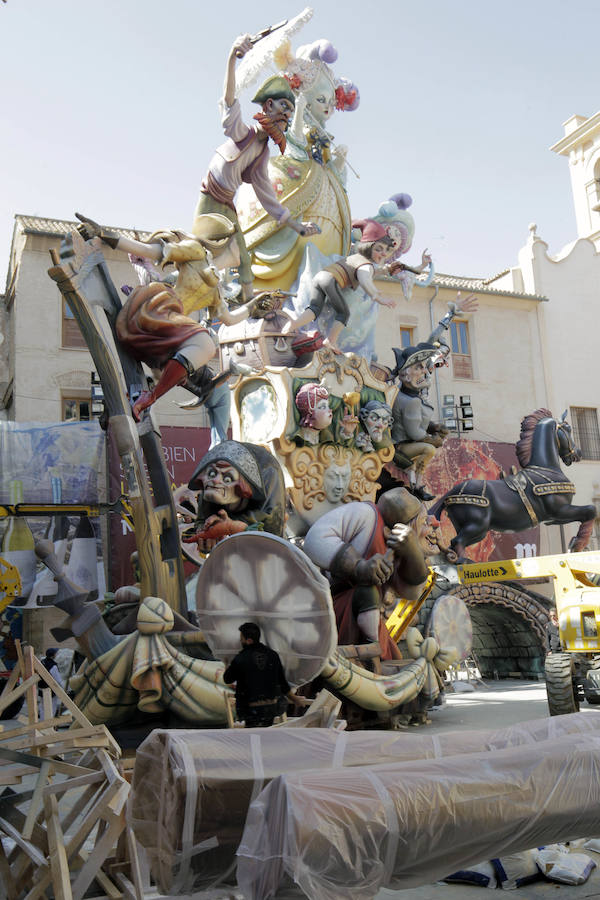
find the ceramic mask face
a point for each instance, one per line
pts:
(416, 376)
(220, 482)
(336, 480)
(322, 415)
(320, 99)
(376, 423)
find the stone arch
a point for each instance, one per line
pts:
(522, 603)
(509, 628)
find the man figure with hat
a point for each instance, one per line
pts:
(245, 155)
(414, 433)
(355, 271)
(368, 548)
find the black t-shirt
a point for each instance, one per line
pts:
(258, 675)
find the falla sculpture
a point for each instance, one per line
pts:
(310, 515)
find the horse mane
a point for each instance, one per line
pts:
(528, 424)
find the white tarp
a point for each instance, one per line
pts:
(191, 789)
(399, 825)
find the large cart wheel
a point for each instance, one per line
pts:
(561, 687)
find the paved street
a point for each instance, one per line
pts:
(499, 704)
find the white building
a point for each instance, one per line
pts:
(568, 322)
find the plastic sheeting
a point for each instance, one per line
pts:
(191, 789)
(71, 453)
(400, 825)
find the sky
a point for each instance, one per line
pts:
(110, 109)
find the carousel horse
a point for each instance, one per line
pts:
(538, 492)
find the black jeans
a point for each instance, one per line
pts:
(260, 716)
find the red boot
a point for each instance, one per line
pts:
(174, 373)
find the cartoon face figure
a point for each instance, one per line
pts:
(417, 377)
(427, 528)
(336, 480)
(312, 402)
(281, 111)
(322, 415)
(220, 483)
(381, 252)
(376, 418)
(320, 99)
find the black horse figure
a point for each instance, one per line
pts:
(539, 492)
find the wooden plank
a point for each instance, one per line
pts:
(12, 733)
(129, 891)
(62, 741)
(8, 779)
(111, 772)
(6, 876)
(110, 888)
(36, 801)
(93, 816)
(42, 882)
(27, 847)
(47, 705)
(87, 798)
(28, 671)
(103, 846)
(13, 774)
(15, 817)
(136, 869)
(11, 682)
(75, 783)
(36, 761)
(62, 695)
(59, 864)
(6, 700)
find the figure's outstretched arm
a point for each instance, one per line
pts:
(90, 229)
(364, 276)
(239, 48)
(467, 304)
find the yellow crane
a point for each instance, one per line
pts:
(577, 599)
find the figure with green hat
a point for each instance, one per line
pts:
(245, 155)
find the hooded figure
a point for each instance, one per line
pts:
(242, 487)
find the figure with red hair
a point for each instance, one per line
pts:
(312, 402)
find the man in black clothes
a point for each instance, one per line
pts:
(260, 682)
